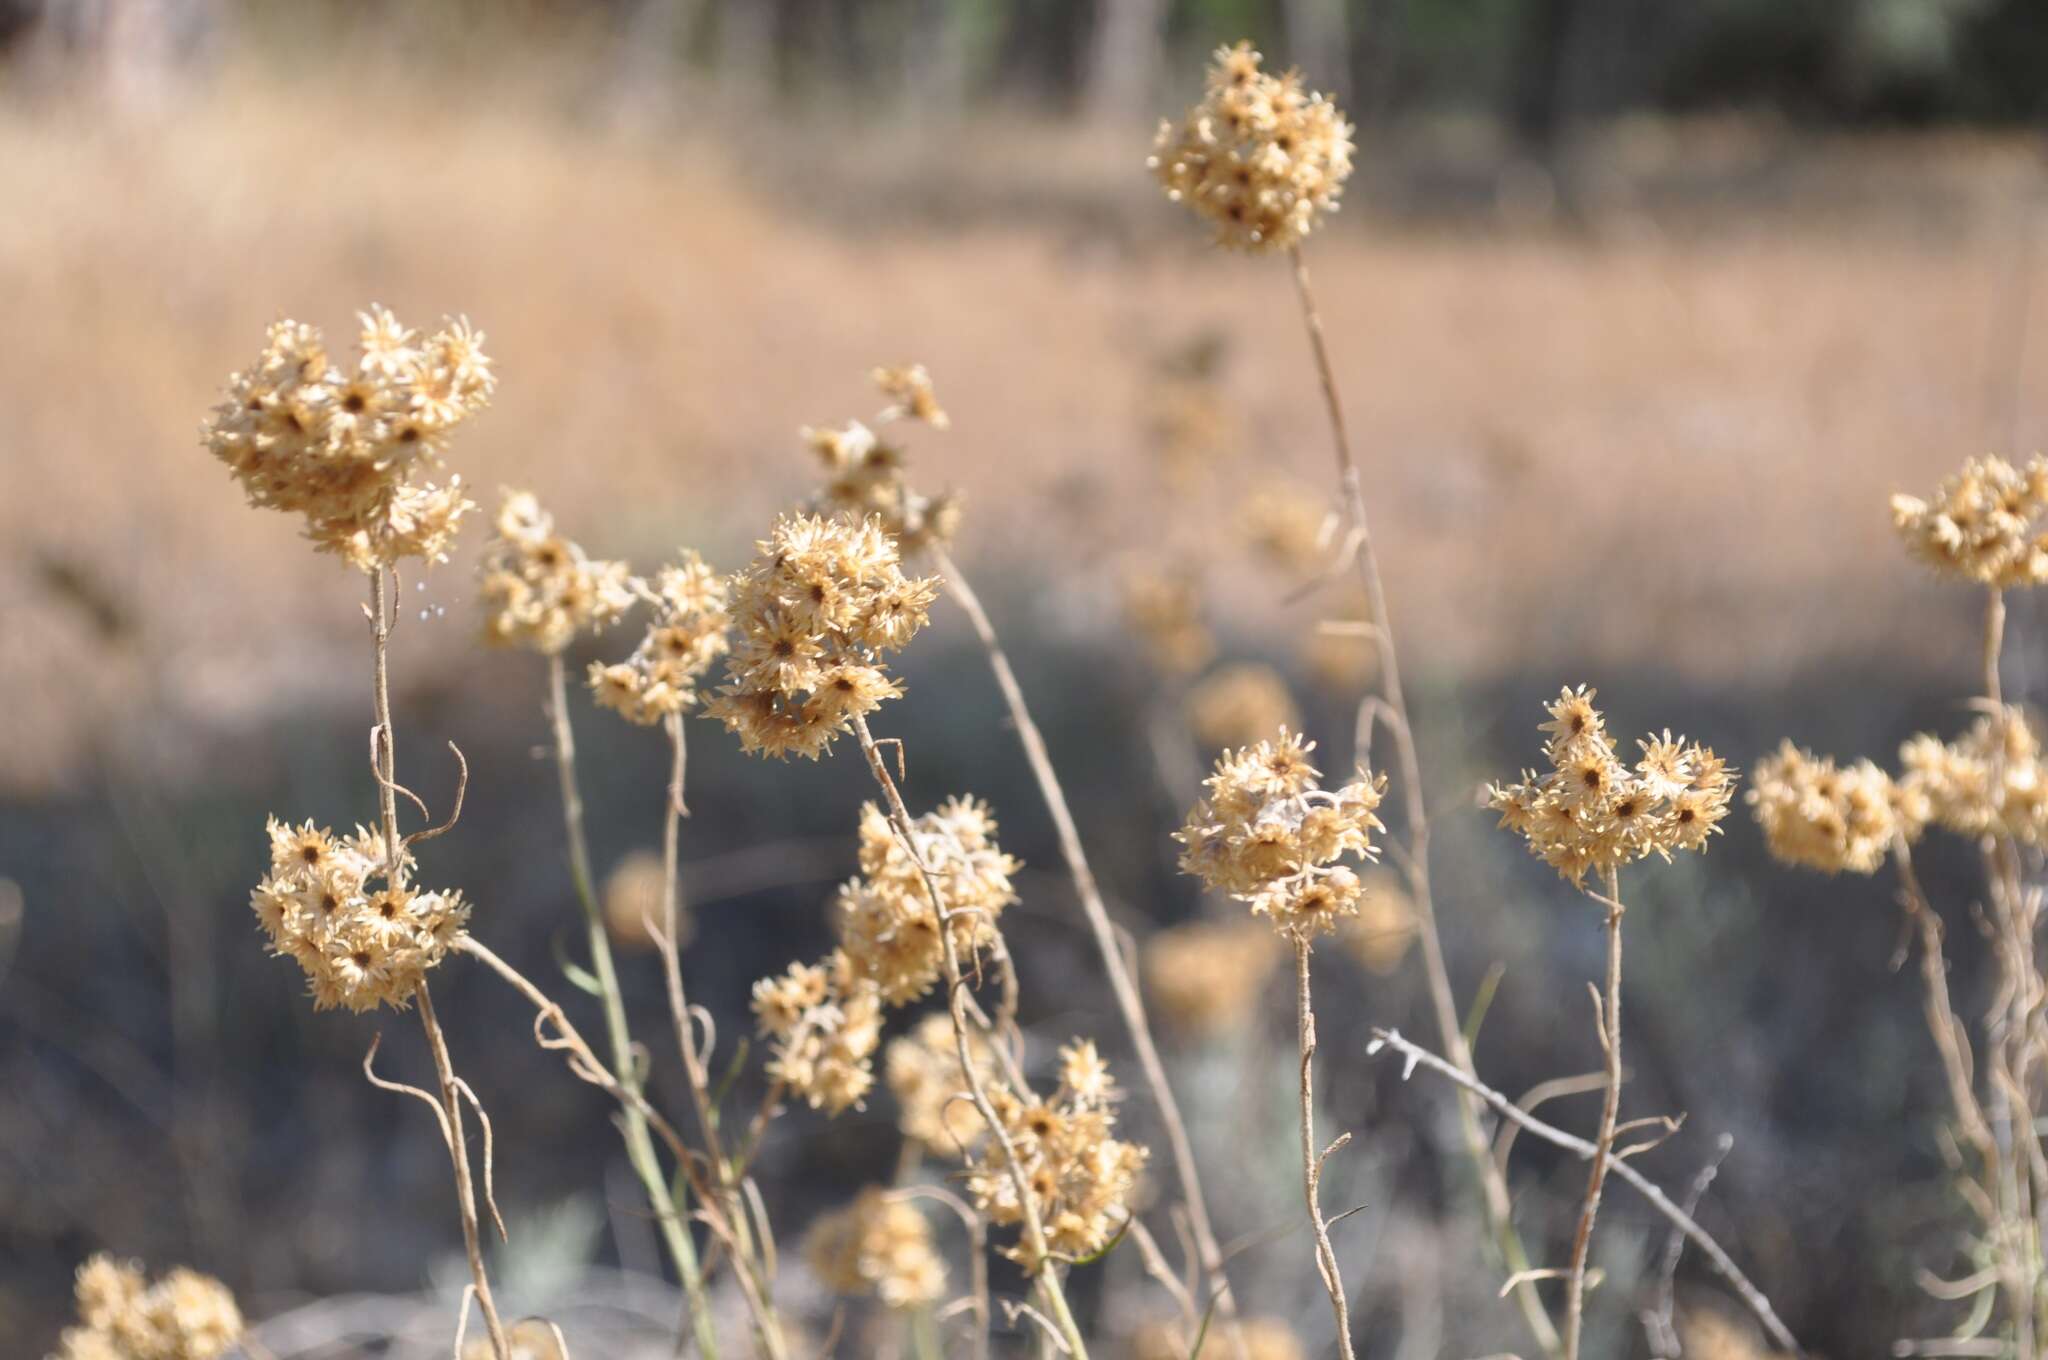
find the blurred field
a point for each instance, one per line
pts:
(1668, 434)
(1642, 436)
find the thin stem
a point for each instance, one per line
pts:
(458, 1151)
(1443, 1002)
(1603, 1146)
(1994, 642)
(1122, 986)
(956, 1004)
(640, 1151)
(1417, 1056)
(1311, 1163)
(385, 749)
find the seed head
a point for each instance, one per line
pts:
(922, 1069)
(183, 1316)
(1821, 816)
(877, 1245)
(1259, 158)
(1985, 524)
(1989, 781)
(687, 634)
(539, 589)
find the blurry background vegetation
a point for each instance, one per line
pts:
(1643, 307)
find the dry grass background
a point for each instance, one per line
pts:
(1668, 435)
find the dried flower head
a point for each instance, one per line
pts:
(1989, 781)
(1290, 528)
(825, 1021)
(121, 1316)
(1260, 158)
(538, 588)
(1269, 834)
(877, 1245)
(887, 928)
(686, 635)
(1236, 705)
(1593, 812)
(344, 446)
(922, 1069)
(1204, 978)
(1265, 1338)
(1164, 607)
(528, 1339)
(634, 895)
(360, 945)
(1816, 814)
(1080, 1177)
(1984, 524)
(819, 607)
(909, 390)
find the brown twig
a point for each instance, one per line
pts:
(1493, 1185)
(1603, 1145)
(1311, 1164)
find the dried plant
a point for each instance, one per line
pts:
(122, 1316)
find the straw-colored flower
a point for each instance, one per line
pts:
(1265, 1338)
(360, 946)
(1164, 607)
(686, 635)
(877, 1245)
(1593, 812)
(1261, 159)
(539, 589)
(1204, 977)
(634, 893)
(344, 446)
(1269, 834)
(1236, 705)
(121, 1316)
(922, 1069)
(1828, 817)
(909, 390)
(825, 1021)
(819, 607)
(887, 928)
(1989, 781)
(1080, 1177)
(1985, 524)
(1386, 924)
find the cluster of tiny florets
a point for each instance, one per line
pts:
(1832, 817)
(121, 1316)
(1164, 608)
(1264, 1338)
(539, 589)
(1260, 158)
(360, 946)
(1204, 977)
(1268, 833)
(1985, 524)
(1079, 1175)
(687, 634)
(922, 1070)
(1237, 704)
(1289, 529)
(825, 1021)
(864, 474)
(1989, 781)
(817, 610)
(887, 926)
(1592, 812)
(343, 446)
(877, 1245)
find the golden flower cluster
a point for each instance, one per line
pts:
(826, 1021)
(634, 895)
(864, 476)
(877, 1245)
(359, 948)
(1080, 1175)
(687, 634)
(1833, 818)
(1989, 781)
(538, 588)
(1265, 1338)
(1984, 524)
(1164, 608)
(530, 1338)
(183, 1316)
(887, 928)
(818, 608)
(1260, 158)
(1269, 834)
(922, 1069)
(1235, 705)
(1290, 529)
(1204, 977)
(1592, 812)
(1386, 924)
(343, 446)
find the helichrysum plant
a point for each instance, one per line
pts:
(1987, 525)
(922, 1071)
(686, 636)
(123, 1316)
(1593, 812)
(878, 1244)
(539, 589)
(1261, 159)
